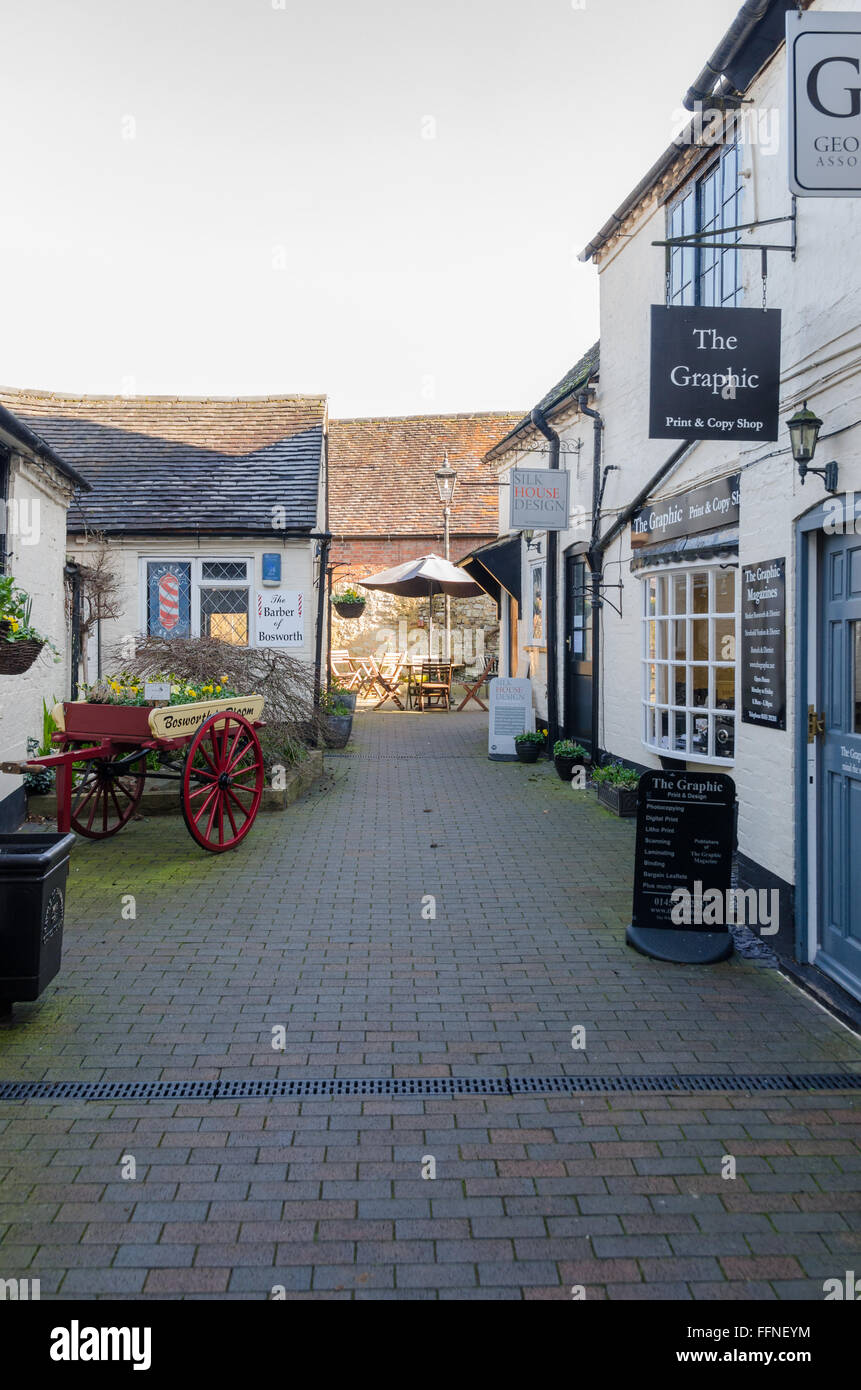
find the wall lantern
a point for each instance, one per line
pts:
(804, 430)
(446, 481)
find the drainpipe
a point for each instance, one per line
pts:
(595, 556)
(540, 422)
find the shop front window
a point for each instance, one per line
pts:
(689, 664)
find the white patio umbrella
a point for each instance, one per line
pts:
(429, 574)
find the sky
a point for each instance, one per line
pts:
(379, 200)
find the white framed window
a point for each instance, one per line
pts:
(197, 596)
(689, 669)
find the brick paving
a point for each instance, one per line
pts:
(315, 923)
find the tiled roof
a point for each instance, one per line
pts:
(177, 463)
(381, 473)
(573, 381)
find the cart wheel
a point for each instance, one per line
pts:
(104, 800)
(222, 782)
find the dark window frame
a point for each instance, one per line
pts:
(5, 477)
(709, 200)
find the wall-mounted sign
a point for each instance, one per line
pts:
(510, 713)
(823, 68)
(715, 373)
(763, 644)
(538, 499)
(272, 567)
(279, 618)
(710, 507)
(684, 842)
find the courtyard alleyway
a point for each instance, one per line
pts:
(321, 923)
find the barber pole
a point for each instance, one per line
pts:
(168, 601)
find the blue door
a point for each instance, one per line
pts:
(839, 851)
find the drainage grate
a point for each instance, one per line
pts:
(429, 1086)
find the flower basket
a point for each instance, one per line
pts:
(349, 608)
(622, 801)
(17, 657)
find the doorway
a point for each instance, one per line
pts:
(838, 800)
(578, 652)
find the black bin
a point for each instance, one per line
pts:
(33, 871)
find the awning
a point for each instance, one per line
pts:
(496, 567)
(711, 546)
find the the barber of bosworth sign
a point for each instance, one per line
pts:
(539, 499)
(823, 68)
(715, 373)
(279, 618)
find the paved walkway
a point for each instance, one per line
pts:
(316, 924)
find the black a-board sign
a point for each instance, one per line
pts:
(685, 833)
(763, 644)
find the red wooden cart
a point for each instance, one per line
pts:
(211, 748)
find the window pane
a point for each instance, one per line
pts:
(661, 685)
(725, 591)
(725, 639)
(700, 685)
(725, 687)
(680, 739)
(651, 640)
(700, 593)
(662, 725)
(701, 640)
(651, 684)
(168, 598)
(680, 647)
(651, 592)
(680, 685)
(724, 738)
(224, 615)
(680, 589)
(700, 735)
(224, 569)
(661, 634)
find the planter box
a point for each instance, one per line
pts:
(86, 721)
(622, 801)
(33, 871)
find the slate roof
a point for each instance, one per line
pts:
(183, 464)
(381, 473)
(572, 382)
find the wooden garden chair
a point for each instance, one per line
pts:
(435, 685)
(348, 675)
(472, 690)
(386, 682)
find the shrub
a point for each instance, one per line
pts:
(616, 775)
(566, 748)
(536, 737)
(349, 596)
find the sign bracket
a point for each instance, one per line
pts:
(695, 239)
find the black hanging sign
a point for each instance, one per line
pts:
(683, 854)
(711, 507)
(763, 644)
(715, 373)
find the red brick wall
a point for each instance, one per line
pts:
(358, 557)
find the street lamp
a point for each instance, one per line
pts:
(446, 482)
(804, 430)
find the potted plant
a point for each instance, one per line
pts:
(567, 755)
(338, 694)
(617, 788)
(349, 603)
(20, 643)
(527, 746)
(336, 720)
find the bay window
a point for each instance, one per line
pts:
(689, 663)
